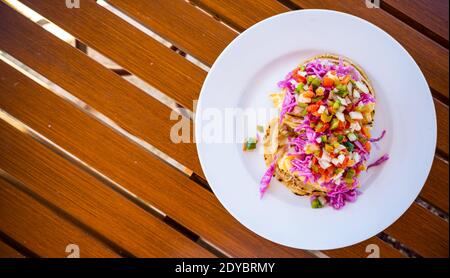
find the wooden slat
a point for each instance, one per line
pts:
(436, 188)
(127, 46)
(184, 25)
(424, 233)
(42, 231)
(88, 200)
(7, 251)
(129, 107)
(244, 13)
(442, 127)
(359, 250)
(431, 57)
(134, 168)
(432, 14)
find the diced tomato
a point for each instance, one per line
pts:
(298, 77)
(347, 124)
(327, 82)
(368, 146)
(312, 108)
(345, 162)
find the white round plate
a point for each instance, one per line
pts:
(249, 69)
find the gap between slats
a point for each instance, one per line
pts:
(414, 23)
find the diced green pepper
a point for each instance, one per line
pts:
(323, 138)
(336, 105)
(309, 79)
(350, 173)
(350, 147)
(334, 124)
(340, 137)
(348, 181)
(300, 88)
(341, 87)
(250, 144)
(316, 204)
(316, 82)
(316, 99)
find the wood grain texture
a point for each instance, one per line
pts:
(431, 57)
(424, 233)
(363, 250)
(432, 14)
(7, 251)
(84, 197)
(131, 166)
(126, 45)
(179, 22)
(244, 13)
(41, 230)
(442, 127)
(436, 188)
(129, 107)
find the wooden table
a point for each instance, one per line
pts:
(69, 177)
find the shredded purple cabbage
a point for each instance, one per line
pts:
(360, 146)
(344, 70)
(340, 194)
(366, 98)
(379, 138)
(379, 161)
(265, 180)
(288, 105)
(301, 166)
